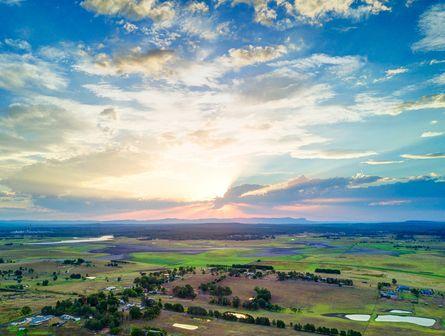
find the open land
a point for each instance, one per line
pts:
(408, 267)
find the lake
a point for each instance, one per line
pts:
(421, 321)
(76, 241)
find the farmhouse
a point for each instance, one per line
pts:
(403, 289)
(427, 292)
(388, 295)
(67, 317)
(39, 319)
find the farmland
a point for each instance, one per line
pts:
(40, 275)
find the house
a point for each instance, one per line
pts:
(427, 292)
(67, 317)
(403, 289)
(388, 295)
(39, 319)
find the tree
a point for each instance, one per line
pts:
(137, 332)
(281, 324)
(184, 292)
(198, 311)
(263, 293)
(26, 310)
(135, 313)
(236, 302)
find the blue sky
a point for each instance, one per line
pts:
(145, 109)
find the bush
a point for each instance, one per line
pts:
(197, 311)
(137, 332)
(26, 310)
(184, 292)
(135, 313)
(115, 331)
(176, 307)
(281, 324)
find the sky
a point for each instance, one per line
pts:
(146, 109)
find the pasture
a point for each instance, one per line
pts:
(415, 261)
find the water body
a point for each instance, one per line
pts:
(358, 317)
(76, 241)
(398, 311)
(421, 321)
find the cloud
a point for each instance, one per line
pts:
(75, 175)
(393, 72)
(11, 2)
(390, 203)
(24, 128)
(352, 192)
(19, 72)
(431, 134)
(331, 155)
(439, 79)
(18, 44)
(378, 163)
(250, 55)
(198, 7)
(110, 113)
(129, 27)
(315, 11)
(283, 14)
(423, 156)
(341, 66)
(149, 63)
(166, 65)
(432, 27)
(425, 102)
(161, 13)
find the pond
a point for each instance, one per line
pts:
(75, 241)
(421, 321)
(398, 311)
(358, 317)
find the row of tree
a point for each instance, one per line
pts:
(259, 320)
(294, 275)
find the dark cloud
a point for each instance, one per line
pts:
(358, 189)
(99, 206)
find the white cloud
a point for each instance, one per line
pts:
(393, 72)
(342, 66)
(309, 11)
(11, 2)
(129, 27)
(250, 55)
(378, 163)
(18, 44)
(316, 11)
(390, 203)
(19, 72)
(425, 102)
(439, 79)
(432, 27)
(431, 134)
(166, 65)
(331, 155)
(424, 156)
(198, 6)
(162, 13)
(150, 63)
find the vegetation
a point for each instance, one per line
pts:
(293, 275)
(102, 308)
(184, 292)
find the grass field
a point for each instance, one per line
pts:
(365, 260)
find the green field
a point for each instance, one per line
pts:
(365, 260)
